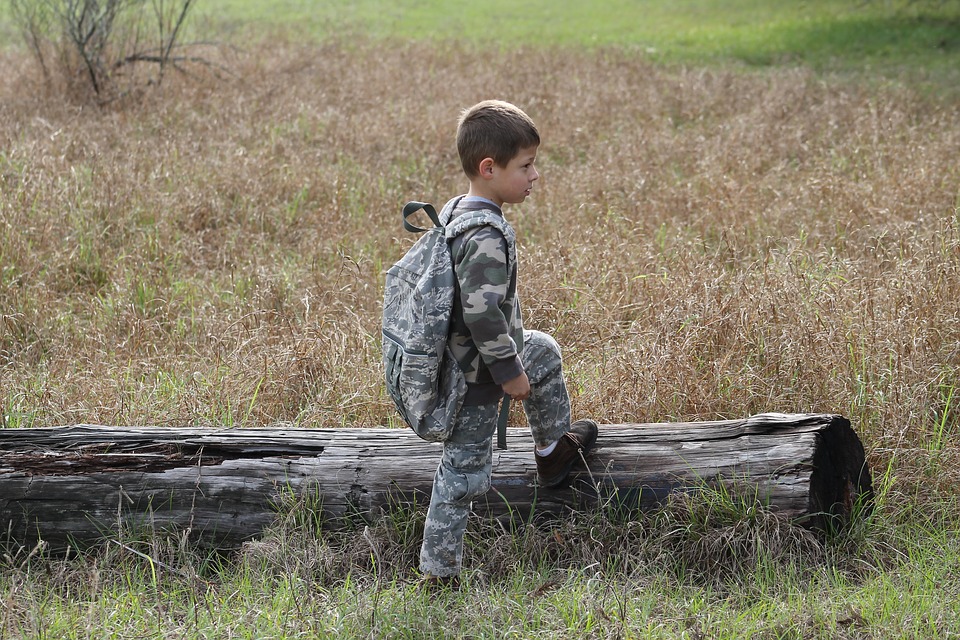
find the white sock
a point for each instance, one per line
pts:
(547, 450)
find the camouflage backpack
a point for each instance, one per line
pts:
(423, 378)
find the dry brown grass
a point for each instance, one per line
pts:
(703, 244)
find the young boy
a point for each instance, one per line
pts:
(497, 144)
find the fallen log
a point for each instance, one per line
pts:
(80, 484)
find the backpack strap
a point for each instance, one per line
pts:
(481, 219)
(408, 210)
(502, 422)
(411, 208)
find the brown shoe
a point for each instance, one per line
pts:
(554, 468)
(440, 583)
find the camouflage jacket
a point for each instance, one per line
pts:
(487, 328)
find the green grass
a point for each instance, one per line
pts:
(590, 578)
(828, 35)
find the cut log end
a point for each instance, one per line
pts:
(841, 487)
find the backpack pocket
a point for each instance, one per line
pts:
(428, 395)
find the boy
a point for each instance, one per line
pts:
(497, 144)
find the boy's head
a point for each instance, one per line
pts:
(493, 129)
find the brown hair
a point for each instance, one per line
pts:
(493, 129)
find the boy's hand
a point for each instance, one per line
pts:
(518, 388)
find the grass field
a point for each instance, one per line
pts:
(873, 38)
(741, 211)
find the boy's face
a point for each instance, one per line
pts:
(512, 184)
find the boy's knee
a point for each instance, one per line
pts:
(460, 487)
(541, 355)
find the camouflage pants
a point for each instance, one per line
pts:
(467, 459)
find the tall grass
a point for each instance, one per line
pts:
(704, 243)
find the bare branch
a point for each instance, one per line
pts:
(96, 38)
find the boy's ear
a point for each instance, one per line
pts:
(486, 168)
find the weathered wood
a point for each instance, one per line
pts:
(79, 484)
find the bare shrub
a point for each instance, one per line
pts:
(99, 44)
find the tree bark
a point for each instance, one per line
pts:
(77, 485)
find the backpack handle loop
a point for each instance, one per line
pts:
(411, 208)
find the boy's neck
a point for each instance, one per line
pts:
(477, 191)
(483, 200)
